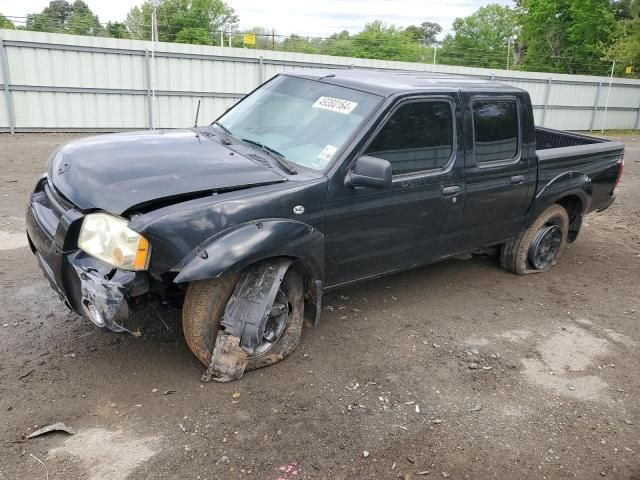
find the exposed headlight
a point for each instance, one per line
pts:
(108, 238)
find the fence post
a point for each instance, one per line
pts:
(147, 81)
(595, 107)
(6, 80)
(638, 119)
(546, 102)
(261, 71)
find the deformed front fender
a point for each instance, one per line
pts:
(252, 242)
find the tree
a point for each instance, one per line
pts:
(482, 39)
(625, 48)
(296, 43)
(425, 33)
(82, 20)
(195, 16)
(63, 17)
(196, 36)
(566, 35)
(6, 23)
(116, 30)
(339, 44)
(380, 41)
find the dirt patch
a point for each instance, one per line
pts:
(459, 369)
(107, 455)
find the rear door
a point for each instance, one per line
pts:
(377, 230)
(500, 168)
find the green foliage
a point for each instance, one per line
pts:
(197, 17)
(380, 41)
(116, 30)
(295, 43)
(626, 47)
(63, 17)
(193, 35)
(6, 23)
(481, 39)
(566, 35)
(425, 33)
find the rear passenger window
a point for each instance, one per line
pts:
(495, 127)
(419, 136)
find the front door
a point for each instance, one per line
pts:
(370, 231)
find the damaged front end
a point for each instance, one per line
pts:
(103, 293)
(89, 287)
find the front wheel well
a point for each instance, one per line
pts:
(575, 210)
(312, 286)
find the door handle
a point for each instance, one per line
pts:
(517, 179)
(451, 190)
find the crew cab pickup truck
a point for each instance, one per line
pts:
(313, 181)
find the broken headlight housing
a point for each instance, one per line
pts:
(109, 238)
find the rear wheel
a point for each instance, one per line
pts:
(539, 247)
(204, 306)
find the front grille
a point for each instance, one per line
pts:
(49, 207)
(56, 199)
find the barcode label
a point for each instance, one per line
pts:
(335, 105)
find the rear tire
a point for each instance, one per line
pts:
(539, 247)
(204, 306)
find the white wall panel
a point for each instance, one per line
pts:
(73, 82)
(49, 110)
(4, 118)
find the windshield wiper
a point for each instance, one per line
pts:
(226, 131)
(279, 157)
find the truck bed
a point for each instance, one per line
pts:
(574, 155)
(547, 138)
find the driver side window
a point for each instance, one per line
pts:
(418, 137)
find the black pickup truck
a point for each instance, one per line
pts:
(313, 181)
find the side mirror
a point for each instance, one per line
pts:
(370, 172)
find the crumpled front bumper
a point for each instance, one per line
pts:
(88, 286)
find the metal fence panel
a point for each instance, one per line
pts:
(70, 82)
(78, 111)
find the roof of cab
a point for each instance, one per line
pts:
(387, 83)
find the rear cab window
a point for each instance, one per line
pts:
(419, 136)
(496, 130)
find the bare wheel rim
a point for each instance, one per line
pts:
(276, 323)
(545, 246)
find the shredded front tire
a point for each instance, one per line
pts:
(205, 304)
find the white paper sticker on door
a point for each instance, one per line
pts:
(335, 105)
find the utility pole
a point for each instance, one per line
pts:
(154, 39)
(606, 105)
(509, 43)
(273, 38)
(435, 51)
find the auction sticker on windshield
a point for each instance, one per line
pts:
(327, 152)
(335, 105)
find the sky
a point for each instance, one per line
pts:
(302, 17)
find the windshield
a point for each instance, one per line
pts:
(304, 121)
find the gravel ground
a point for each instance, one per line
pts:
(458, 369)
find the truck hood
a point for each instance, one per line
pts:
(118, 172)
